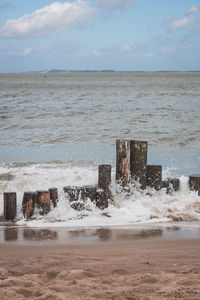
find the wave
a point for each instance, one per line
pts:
(128, 207)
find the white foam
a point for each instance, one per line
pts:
(126, 209)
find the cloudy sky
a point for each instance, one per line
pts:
(100, 34)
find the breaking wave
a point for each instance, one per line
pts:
(126, 208)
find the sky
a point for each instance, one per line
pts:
(123, 35)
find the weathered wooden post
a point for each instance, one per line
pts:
(72, 192)
(165, 184)
(199, 192)
(104, 178)
(102, 198)
(28, 203)
(171, 184)
(131, 161)
(89, 192)
(43, 201)
(103, 193)
(174, 185)
(138, 161)
(54, 196)
(194, 182)
(10, 205)
(123, 172)
(154, 176)
(74, 195)
(79, 195)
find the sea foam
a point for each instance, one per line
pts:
(128, 207)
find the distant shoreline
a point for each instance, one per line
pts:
(58, 71)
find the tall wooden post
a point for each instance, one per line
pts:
(103, 192)
(54, 196)
(154, 176)
(28, 203)
(44, 201)
(138, 161)
(131, 161)
(123, 172)
(104, 178)
(10, 205)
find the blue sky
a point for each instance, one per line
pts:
(132, 35)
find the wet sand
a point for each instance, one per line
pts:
(137, 268)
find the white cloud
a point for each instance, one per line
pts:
(136, 50)
(186, 20)
(98, 52)
(121, 5)
(126, 48)
(166, 50)
(27, 51)
(192, 9)
(50, 19)
(181, 23)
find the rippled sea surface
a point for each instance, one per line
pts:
(56, 128)
(77, 117)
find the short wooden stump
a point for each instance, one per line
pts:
(79, 195)
(43, 201)
(10, 205)
(28, 203)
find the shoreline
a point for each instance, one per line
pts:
(49, 236)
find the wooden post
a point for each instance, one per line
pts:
(73, 192)
(131, 161)
(44, 201)
(194, 182)
(165, 184)
(104, 176)
(75, 195)
(89, 191)
(138, 161)
(175, 183)
(10, 205)
(154, 176)
(103, 193)
(28, 203)
(102, 198)
(54, 196)
(79, 195)
(199, 192)
(123, 174)
(171, 184)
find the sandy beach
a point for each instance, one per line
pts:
(144, 268)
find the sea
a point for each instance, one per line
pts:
(56, 129)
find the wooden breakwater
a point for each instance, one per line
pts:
(131, 167)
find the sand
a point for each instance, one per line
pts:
(146, 268)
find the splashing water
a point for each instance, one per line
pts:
(127, 208)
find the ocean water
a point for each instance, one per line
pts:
(55, 129)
